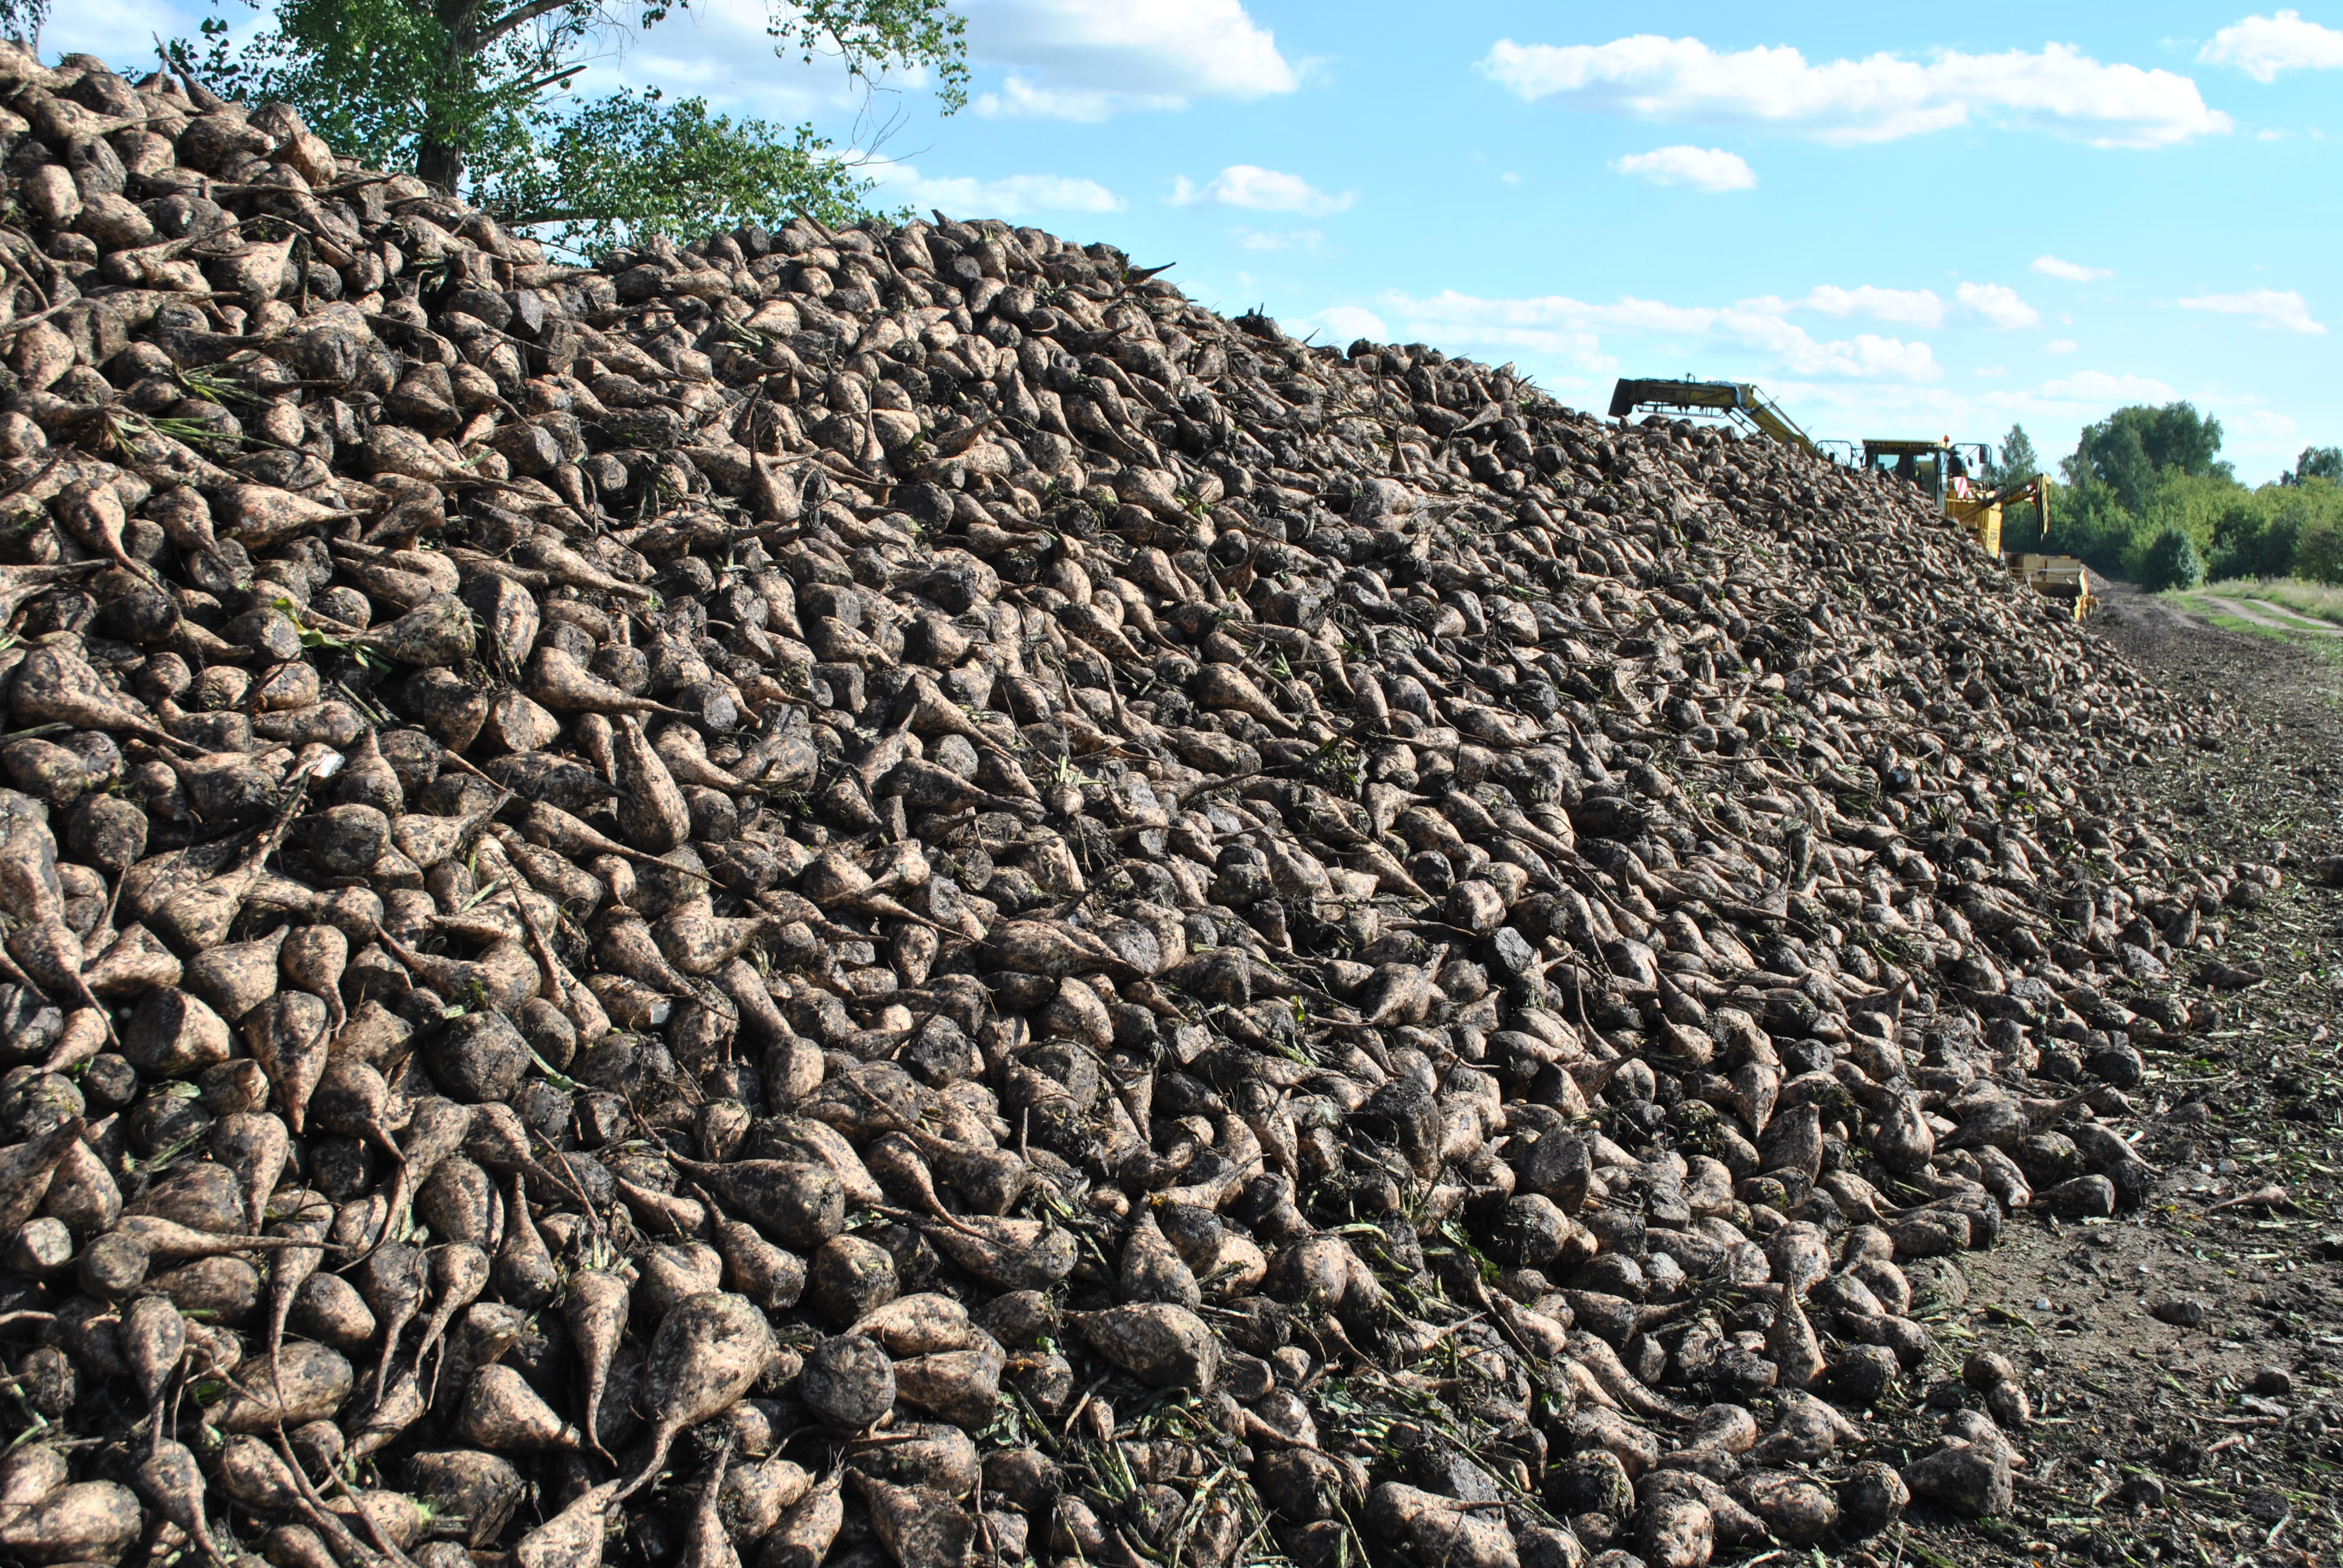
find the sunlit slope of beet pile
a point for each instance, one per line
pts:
(889, 896)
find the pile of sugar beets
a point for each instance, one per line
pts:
(888, 896)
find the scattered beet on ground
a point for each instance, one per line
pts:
(889, 897)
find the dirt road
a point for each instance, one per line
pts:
(2274, 619)
(2186, 1361)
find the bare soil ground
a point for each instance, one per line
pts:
(2186, 1362)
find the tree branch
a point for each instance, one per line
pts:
(456, 17)
(531, 219)
(532, 88)
(520, 18)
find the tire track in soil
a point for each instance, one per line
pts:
(2255, 615)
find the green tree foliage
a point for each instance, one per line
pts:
(2090, 519)
(2316, 463)
(22, 20)
(630, 165)
(2019, 462)
(2170, 561)
(473, 95)
(2284, 529)
(2135, 473)
(2269, 532)
(2126, 450)
(2142, 478)
(2318, 551)
(2021, 526)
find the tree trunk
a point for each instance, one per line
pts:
(439, 164)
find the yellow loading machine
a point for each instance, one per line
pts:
(1738, 401)
(1952, 474)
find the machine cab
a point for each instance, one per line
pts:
(1943, 470)
(1951, 474)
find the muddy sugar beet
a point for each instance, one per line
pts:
(887, 894)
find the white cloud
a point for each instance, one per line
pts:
(2263, 46)
(1016, 196)
(1022, 98)
(2097, 387)
(1088, 59)
(1509, 177)
(1710, 169)
(2060, 346)
(1346, 323)
(1879, 98)
(1908, 308)
(1307, 240)
(2268, 306)
(1571, 329)
(2272, 427)
(2081, 397)
(2072, 271)
(1258, 189)
(1998, 303)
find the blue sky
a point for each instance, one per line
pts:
(1896, 226)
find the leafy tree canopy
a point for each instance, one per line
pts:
(473, 95)
(2019, 459)
(2316, 463)
(2170, 561)
(2127, 449)
(23, 20)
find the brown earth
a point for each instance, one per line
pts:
(2218, 1437)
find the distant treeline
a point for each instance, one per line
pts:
(2146, 496)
